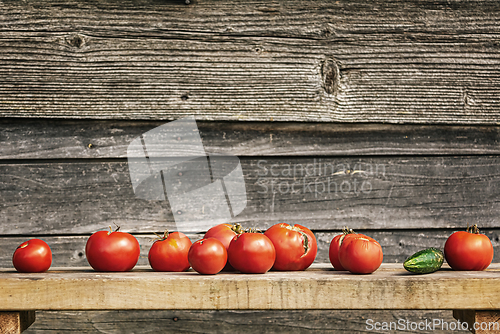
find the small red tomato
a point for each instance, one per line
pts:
(333, 252)
(32, 256)
(207, 256)
(112, 251)
(251, 253)
(295, 246)
(170, 253)
(468, 250)
(360, 254)
(224, 233)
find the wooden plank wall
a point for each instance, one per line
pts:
(419, 61)
(405, 93)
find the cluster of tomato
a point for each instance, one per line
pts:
(360, 254)
(227, 247)
(224, 247)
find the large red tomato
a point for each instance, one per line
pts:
(207, 256)
(170, 253)
(360, 254)
(333, 252)
(468, 250)
(224, 233)
(112, 251)
(32, 256)
(295, 246)
(251, 253)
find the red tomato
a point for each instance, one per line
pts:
(224, 233)
(207, 256)
(295, 246)
(32, 256)
(333, 252)
(251, 253)
(112, 251)
(468, 250)
(360, 254)
(170, 253)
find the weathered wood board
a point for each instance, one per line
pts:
(66, 197)
(319, 287)
(251, 322)
(348, 61)
(70, 139)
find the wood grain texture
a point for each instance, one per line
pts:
(323, 193)
(251, 322)
(70, 139)
(390, 287)
(16, 322)
(347, 61)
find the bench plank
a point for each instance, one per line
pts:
(390, 287)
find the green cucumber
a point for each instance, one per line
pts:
(425, 261)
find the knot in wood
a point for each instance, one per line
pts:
(330, 75)
(76, 41)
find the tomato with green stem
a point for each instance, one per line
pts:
(170, 252)
(335, 244)
(360, 254)
(468, 250)
(295, 246)
(112, 250)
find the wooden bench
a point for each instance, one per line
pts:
(408, 90)
(473, 296)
